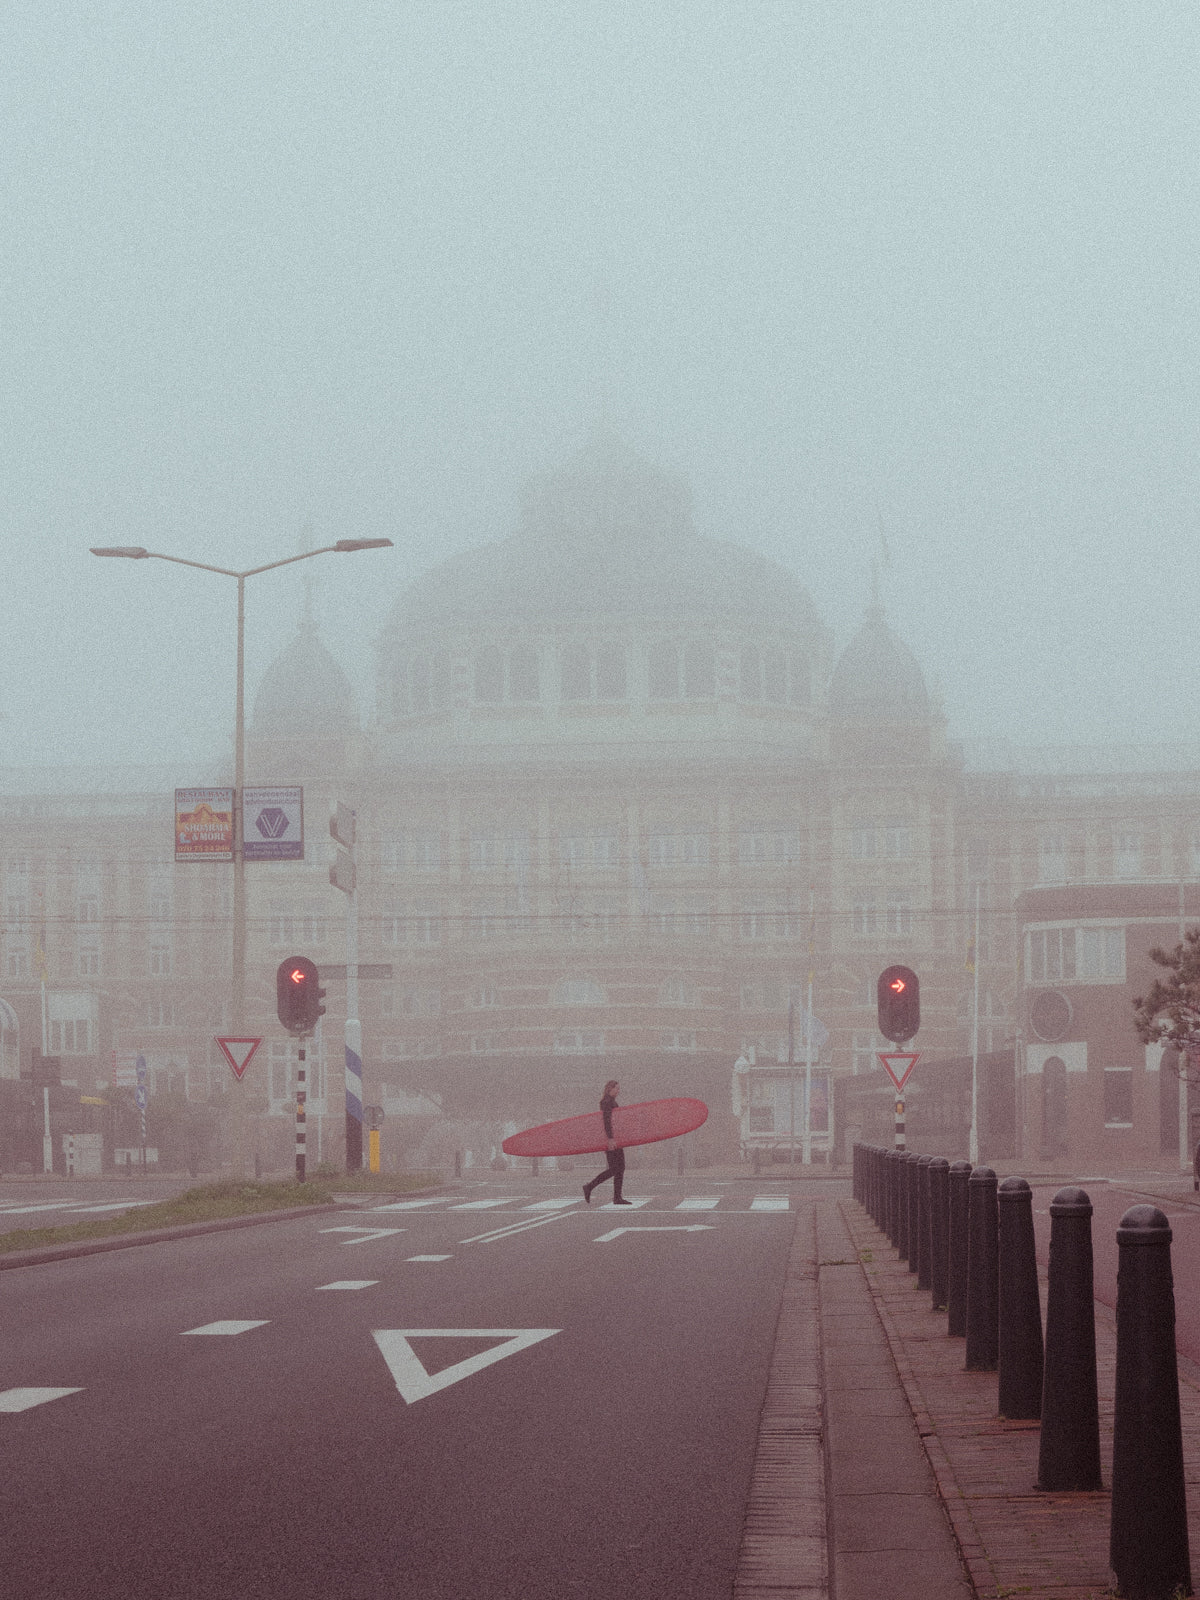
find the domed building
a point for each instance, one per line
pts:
(622, 814)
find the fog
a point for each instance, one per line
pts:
(920, 267)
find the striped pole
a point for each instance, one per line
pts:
(899, 1122)
(301, 1113)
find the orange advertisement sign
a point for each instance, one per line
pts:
(204, 824)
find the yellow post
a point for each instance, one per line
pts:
(373, 1149)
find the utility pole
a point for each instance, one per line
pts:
(343, 875)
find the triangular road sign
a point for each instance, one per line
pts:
(238, 1052)
(898, 1064)
(414, 1383)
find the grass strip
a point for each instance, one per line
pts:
(214, 1202)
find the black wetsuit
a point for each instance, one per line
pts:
(616, 1157)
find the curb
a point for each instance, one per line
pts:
(125, 1241)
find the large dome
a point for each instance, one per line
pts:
(877, 678)
(304, 691)
(609, 536)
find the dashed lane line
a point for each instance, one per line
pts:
(227, 1327)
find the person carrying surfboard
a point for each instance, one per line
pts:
(616, 1156)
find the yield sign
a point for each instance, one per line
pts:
(238, 1052)
(898, 1064)
(412, 1380)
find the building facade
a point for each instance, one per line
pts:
(622, 811)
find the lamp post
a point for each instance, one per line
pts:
(137, 553)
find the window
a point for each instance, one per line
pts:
(772, 993)
(1118, 1097)
(492, 851)
(589, 850)
(899, 917)
(674, 1039)
(1127, 854)
(864, 919)
(579, 1042)
(417, 1002)
(897, 839)
(414, 850)
(17, 911)
(404, 924)
(160, 960)
(1050, 956)
(482, 996)
(420, 1048)
(769, 846)
(484, 1044)
(662, 670)
(494, 917)
(862, 1053)
(281, 1065)
(87, 908)
(1100, 954)
(680, 918)
(510, 675)
(17, 963)
(160, 1013)
(1052, 858)
(300, 925)
(863, 841)
(593, 672)
(578, 992)
(71, 1036)
(589, 918)
(421, 684)
(678, 849)
(678, 992)
(87, 961)
(699, 671)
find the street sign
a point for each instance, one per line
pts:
(341, 825)
(898, 1064)
(366, 969)
(341, 874)
(238, 1053)
(273, 824)
(140, 1096)
(141, 1070)
(204, 824)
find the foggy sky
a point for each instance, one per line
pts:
(373, 264)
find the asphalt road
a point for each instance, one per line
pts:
(311, 1451)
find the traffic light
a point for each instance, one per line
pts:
(298, 994)
(899, 996)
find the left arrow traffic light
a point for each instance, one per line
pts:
(298, 994)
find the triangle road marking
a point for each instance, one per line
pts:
(411, 1378)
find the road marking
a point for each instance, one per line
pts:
(367, 1233)
(350, 1283)
(411, 1378)
(684, 1227)
(46, 1205)
(611, 1205)
(414, 1205)
(555, 1205)
(114, 1205)
(26, 1399)
(225, 1327)
(699, 1203)
(429, 1258)
(513, 1227)
(487, 1205)
(770, 1202)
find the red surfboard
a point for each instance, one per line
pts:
(645, 1123)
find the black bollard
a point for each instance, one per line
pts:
(911, 1168)
(1020, 1340)
(1069, 1450)
(893, 1197)
(956, 1223)
(983, 1309)
(1148, 1546)
(922, 1262)
(902, 1204)
(939, 1237)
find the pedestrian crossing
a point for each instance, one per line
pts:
(71, 1206)
(728, 1203)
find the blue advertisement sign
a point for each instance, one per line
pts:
(273, 824)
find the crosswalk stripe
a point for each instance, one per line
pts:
(699, 1202)
(770, 1202)
(555, 1205)
(611, 1205)
(488, 1205)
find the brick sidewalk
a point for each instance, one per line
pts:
(1014, 1539)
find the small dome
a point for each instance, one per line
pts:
(304, 691)
(877, 678)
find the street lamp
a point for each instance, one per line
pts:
(137, 553)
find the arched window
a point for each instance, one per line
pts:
(489, 674)
(523, 674)
(576, 672)
(663, 670)
(578, 992)
(700, 671)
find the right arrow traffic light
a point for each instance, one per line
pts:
(298, 994)
(899, 996)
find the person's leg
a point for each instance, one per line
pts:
(617, 1161)
(601, 1177)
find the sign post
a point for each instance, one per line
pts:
(898, 1065)
(343, 875)
(141, 1105)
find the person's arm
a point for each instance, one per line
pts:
(606, 1111)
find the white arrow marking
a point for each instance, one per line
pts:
(687, 1227)
(23, 1399)
(411, 1378)
(367, 1233)
(229, 1327)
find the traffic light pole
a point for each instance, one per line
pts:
(301, 1116)
(899, 1122)
(343, 875)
